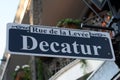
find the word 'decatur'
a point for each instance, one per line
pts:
(56, 47)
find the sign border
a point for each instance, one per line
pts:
(9, 25)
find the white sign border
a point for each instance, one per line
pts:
(9, 26)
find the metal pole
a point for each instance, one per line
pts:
(33, 68)
(33, 64)
(96, 27)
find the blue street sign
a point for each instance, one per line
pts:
(39, 40)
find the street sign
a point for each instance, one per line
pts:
(39, 40)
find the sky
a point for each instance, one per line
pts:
(8, 10)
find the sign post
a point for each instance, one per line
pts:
(39, 40)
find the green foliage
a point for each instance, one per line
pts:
(39, 69)
(68, 21)
(84, 63)
(25, 71)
